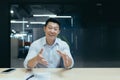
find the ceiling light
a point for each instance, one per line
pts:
(13, 31)
(27, 25)
(13, 21)
(60, 16)
(51, 16)
(11, 11)
(44, 15)
(37, 22)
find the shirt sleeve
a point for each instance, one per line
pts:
(31, 54)
(66, 49)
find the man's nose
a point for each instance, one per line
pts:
(52, 30)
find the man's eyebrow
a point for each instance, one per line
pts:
(49, 25)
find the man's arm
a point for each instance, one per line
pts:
(33, 62)
(66, 59)
(38, 59)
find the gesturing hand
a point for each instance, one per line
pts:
(63, 55)
(41, 59)
(67, 60)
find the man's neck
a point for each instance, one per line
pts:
(50, 42)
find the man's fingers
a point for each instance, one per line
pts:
(44, 62)
(59, 52)
(41, 51)
(40, 54)
(41, 58)
(62, 54)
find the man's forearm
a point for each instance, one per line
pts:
(32, 63)
(67, 62)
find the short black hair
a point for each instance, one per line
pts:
(52, 20)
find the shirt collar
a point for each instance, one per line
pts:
(45, 43)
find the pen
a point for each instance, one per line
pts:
(30, 77)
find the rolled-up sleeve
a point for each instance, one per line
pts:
(66, 49)
(31, 54)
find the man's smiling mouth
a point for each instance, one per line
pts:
(51, 35)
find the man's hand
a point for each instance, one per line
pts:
(67, 60)
(38, 59)
(63, 55)
(41, 59)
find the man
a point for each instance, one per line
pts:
(49, 51)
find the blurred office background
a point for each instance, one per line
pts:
(92, 31)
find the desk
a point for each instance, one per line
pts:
(72, 74)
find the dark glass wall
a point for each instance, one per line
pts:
(94, 38)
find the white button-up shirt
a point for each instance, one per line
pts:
(49, 53)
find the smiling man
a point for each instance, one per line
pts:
(49, 51)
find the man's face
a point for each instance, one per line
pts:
(51, 30)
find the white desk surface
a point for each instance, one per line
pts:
(62, 74)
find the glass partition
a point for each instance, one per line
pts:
(27, 23)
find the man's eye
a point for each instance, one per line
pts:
(50, 27)
(55, 29)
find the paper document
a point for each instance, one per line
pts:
(38, 76)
